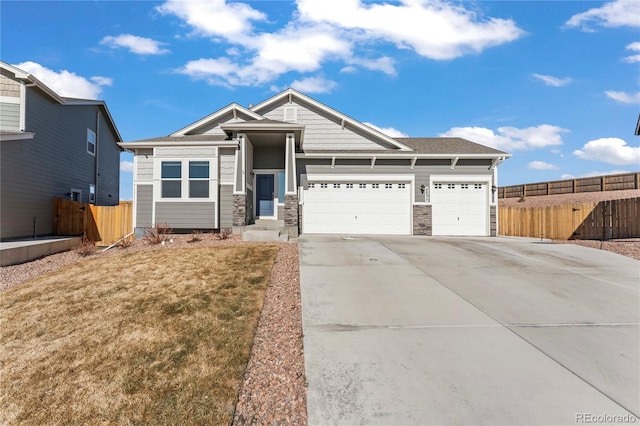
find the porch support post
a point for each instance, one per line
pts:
(291, 187)
(240, 185)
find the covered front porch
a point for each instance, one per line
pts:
(265, 190)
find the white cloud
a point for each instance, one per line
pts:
(338, 31)
(594, 173)
(635, 46)
(550, 80)
(620, 13)
(389, 131)
(567, 176)
(511, 138)
(135, 44)
(215, 18)
(126, 166)
(434, 29)
(66, 83)
(624, 97)
(541, 165)
(609, 150)
(314, 85)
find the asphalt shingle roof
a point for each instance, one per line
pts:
(447, 146)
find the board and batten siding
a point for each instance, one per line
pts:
(52, 163)
(321, 132)
(226, 206)
(144, 205)
(422, 170)
(227, 164)
(186, 215)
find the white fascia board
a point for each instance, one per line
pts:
(213, 116)
(407, 156)
(103, 104)
(17, 72)
(225, 144)
(344, 119)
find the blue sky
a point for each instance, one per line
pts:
(557, 84)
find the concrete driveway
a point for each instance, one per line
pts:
(435, 331)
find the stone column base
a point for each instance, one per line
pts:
(421, 220)
(239, 210)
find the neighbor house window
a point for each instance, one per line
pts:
(91, 142)
(198, 179)
(171, 179)
(92, 194)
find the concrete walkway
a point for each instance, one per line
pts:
(424, 331)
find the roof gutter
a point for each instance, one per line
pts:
(403, 155)
(219, 144)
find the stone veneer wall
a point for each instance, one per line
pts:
(291, 210)
(239, 210)
(421, 220)
(493, 226)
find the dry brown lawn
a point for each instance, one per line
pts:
(151, 337)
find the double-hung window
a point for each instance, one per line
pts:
(91, 142)
(198, 179)
(171, 179)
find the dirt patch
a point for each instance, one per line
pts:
(581, 197)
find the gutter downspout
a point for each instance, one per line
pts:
(95, 200)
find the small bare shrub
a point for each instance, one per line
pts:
(127, 242)
(85, 247)
(195, 237)
(156, 234)
(223, 234)
(522, 199)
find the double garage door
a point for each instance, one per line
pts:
(381, 207)
(384, 207)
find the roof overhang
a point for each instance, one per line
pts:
(401, 155)
(154, 144)
(103, 104)
(249, 127)
(291, 94)
(16, 136)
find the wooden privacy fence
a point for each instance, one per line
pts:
(570, 186)
(103, 224)
(581, 221)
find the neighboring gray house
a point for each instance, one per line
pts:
(294, 159)
(51, 146)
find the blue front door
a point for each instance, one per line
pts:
(264, 195)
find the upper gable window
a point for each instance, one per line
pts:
(290, 114)
(91, 142)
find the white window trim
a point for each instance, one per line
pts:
(184, 188)
(370, 178)
(95, 145)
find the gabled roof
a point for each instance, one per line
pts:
(291, 94)
(186, 140)
(27, 78)
(215, 116)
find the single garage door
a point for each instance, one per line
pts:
(459, 208)
(357, 208)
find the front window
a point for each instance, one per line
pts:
(171, 179)
(91, 142)
(198, 179)
(92, 194)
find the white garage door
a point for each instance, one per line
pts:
(459, 208)
(357, 208)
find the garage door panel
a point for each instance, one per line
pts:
(356, 210)
(459, 209)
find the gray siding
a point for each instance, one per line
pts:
(10, 116)
(422, 172)
(144, 158)
(226, 206)
(323, 132)
(186, 215)
(269, 157)
(249, 165)
(186, 152)
(144, 204)
(54, 161)
(227, 159)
